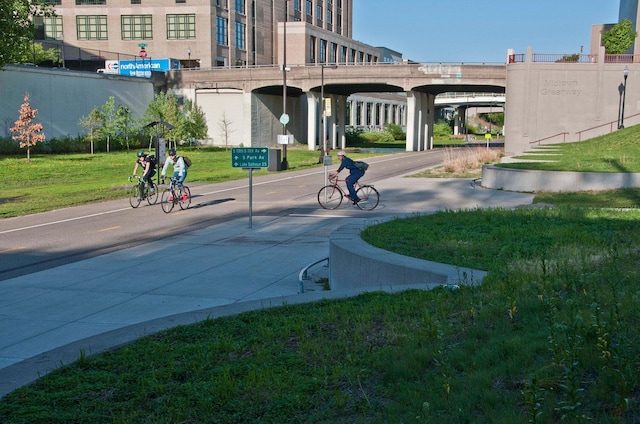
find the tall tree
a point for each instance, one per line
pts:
(619, 38)
(25, 130)
(16, 25)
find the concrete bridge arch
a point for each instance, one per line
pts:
(254, 98)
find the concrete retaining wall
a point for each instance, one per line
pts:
(356, 264)
(531, 181)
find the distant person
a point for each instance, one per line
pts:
(355, 174)
(179, 168)
(148, 164)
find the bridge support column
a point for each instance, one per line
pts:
(420, 120)
(312, 119)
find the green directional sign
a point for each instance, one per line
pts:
(250, 157)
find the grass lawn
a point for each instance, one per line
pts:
(552, 335)
(51, 182)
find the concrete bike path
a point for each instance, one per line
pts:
(51, 317)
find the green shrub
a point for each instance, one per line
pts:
(378, 137)
(442, 129)
(396, 131)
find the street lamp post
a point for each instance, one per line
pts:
(189, 55)
(284, 118)
(624, 95)
(324, 113)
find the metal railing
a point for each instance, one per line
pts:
(574, 58)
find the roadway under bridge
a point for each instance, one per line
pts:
(249, 103)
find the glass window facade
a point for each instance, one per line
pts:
(181, 27)
(136, 27)
(92, 27)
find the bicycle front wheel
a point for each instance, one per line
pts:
(185, 202)
(330, 197)
(135, 196)
(166, 200)
(152, 193)
(368, 196)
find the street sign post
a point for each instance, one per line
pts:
(250, 158)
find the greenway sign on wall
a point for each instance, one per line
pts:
(140, 67)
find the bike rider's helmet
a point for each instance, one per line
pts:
(140, 153)
(172, 152)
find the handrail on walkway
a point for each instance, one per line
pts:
(563, 134)
(304, 274)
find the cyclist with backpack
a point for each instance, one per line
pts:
(179, 168)
(148, 164)
(355, 173)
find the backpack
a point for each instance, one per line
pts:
(361, 165)
(187, 161)
(152, 160)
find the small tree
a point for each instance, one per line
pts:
(619, 38)
(91, 123)
(25, 130)
(225, 129)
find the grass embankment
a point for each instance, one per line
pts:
(550, 336)
(57, 181)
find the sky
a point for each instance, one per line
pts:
(479, 31)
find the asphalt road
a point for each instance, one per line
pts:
(36, 242)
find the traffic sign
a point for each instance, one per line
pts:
(250, 157)
(143, 53)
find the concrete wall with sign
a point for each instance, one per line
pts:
(62, 96)
(555, 102)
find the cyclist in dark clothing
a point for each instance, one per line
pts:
(355, 174)
(148, 165)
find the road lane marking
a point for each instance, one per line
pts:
(12, 249)
(109, 228)
(46, 224)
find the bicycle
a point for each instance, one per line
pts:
(141, 191)
(330, 196)
(173, 195)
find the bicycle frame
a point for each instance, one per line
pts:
(173, 195)
(331, 196)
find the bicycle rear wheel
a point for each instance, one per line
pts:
(166, 200)
(152, 193)
(184, 204)
(134, 196)
(368, 196)
(329, 197)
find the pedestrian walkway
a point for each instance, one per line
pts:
(53, 316)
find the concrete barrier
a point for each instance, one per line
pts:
(356, 264)
(532, 181)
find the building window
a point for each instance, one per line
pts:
(136, 27)
(181, 27)
(333, 53)
(53, 28)
(221, 31)
(312, 49)
(240, 7)
(181, 1)
(343, 54)
(309, 8)
(91, 27)
(329, 16)
(296, 5)
(322, 51)
(319, 12)
(136, 1)
(89, 2)
(53, 2)
(240, 35)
